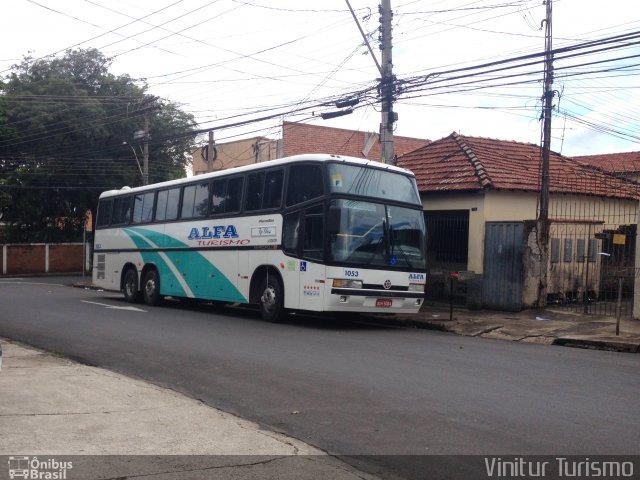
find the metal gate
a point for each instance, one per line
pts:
(503, 268)
(592, 268)
(447, 253)
(592, 249)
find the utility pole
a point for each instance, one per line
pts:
(144, 107)
(210, 152)
(145, 151)
(543, 215)
(386, 85)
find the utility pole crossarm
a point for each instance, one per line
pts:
(366, 40)
(388, 117)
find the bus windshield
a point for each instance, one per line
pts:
(373, 234)
(372, 182)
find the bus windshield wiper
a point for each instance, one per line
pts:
(400, 249)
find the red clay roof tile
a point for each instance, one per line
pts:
(459, 163)
(628, 162)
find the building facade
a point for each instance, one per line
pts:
(300, 138)
(481, 199)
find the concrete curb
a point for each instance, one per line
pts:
(599, 344)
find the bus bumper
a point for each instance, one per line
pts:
(373, 301)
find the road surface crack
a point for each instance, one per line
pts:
(199, 469)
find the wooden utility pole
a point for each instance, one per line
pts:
(144, 107)
(210, 152)
(386, 85)
(543, 215)
(145, 151)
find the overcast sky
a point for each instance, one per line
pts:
(230, 60)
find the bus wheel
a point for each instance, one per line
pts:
(272, 299)
(151, 288)
(130, 287)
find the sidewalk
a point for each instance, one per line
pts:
(547, 326)
(53, 408)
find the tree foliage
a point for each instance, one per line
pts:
(67, 133)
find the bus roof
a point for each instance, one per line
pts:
(315, 157)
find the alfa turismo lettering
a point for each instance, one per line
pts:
(216, 231)
(223, 242)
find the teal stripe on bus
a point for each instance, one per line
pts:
(203, 278)
(169, 284)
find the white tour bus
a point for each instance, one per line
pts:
(321, 233)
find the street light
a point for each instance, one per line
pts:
(137, 160)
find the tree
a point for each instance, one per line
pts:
(67, 133)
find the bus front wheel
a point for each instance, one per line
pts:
(130, 286)
(272, 299)
(151, 288)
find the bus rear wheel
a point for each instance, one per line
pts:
(272, 299)
(151, 288)
(130, 286)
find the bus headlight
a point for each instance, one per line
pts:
(416, 287)
(346, 283)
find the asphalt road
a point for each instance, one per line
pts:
(370, 394)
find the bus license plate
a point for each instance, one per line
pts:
(384, 302)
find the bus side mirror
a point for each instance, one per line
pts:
(333, 220)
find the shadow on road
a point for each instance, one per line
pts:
(351, 321)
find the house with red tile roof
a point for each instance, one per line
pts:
(625, 164)
(481, 199)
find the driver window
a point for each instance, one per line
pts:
(314, 233)
(291, 233)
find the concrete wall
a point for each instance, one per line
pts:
(490, 206)
(531, 265)
(20, 259)
(505, 206)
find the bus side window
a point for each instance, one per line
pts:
(305, 183)
(226, 195)
(195, 201)
(167, 205)
(233, 200)
(121, 214)
(273, 189)
(143, 207)
(255, 191)
(291, 233)
(218, 196)
(104, 213)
